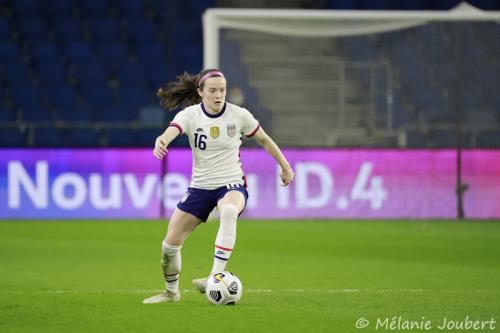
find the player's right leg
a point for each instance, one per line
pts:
(179, 228)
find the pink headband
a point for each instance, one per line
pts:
(209, 75)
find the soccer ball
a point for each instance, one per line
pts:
(224, 288)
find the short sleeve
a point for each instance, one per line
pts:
(181, 121)
(249, 125)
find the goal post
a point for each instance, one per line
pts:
(362, 78)
(316, 23)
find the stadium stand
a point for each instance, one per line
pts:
(81, 72)
(90, 63)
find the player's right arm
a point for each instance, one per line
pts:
(164, 140)
(178, 126)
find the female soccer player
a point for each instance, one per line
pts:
(214, 128)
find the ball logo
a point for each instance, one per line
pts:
(218, 277)
(233, 288)
(215, 295)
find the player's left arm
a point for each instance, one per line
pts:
(272, 148)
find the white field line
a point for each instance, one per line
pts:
(256, 291)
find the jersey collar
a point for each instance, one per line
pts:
(214, 115)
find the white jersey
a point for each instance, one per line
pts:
(215, 140)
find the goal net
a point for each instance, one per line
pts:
(363, 79)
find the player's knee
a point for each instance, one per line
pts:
(229, 212)
(169, 249)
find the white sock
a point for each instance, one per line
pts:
(171, 265)
(226, 237)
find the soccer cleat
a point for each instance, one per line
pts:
(166, 297)
(200, 284)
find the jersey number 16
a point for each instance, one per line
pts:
(199, 141)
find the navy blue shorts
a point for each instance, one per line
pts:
(200, 203)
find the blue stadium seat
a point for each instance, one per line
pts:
(133, 72)
(189, 32)
(57, 9)
(375, 5)
(5, 31)
(410, 5)
(36, 114)
(61, 97)
(140, 30)
(89, 74)
(7, 115)
(68, 29)
(12, 137)
(105, 30)
(52, 73)
(151, 52)
(114, 115)
(8, 52)
(94, 8)
(98, 97)
(26, 8)
(16, 73)
(341, 4)
(25, 95)
(130, 8)
(146, 136)
(121, 137)
(113, 53)
(443, 4)
(83, 137)
(50, 137)
(33, 28)
(45, 51)
(187, 9)
(158, 74)
(79, 52)
(133, 97)
(485, 4)
(74, 115)
(189, 57)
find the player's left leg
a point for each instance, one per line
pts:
(229, 207)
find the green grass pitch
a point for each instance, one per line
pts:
(298, 276)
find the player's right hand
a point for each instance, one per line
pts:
(160, 148)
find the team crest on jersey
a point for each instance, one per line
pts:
(214, 132)
(231, 130)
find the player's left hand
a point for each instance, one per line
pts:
(287, 176)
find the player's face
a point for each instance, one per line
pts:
(213, 94)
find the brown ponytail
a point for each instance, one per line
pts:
(181, 93)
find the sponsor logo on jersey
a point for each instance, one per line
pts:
(199, 129)
(214, 132)
(231, 130)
